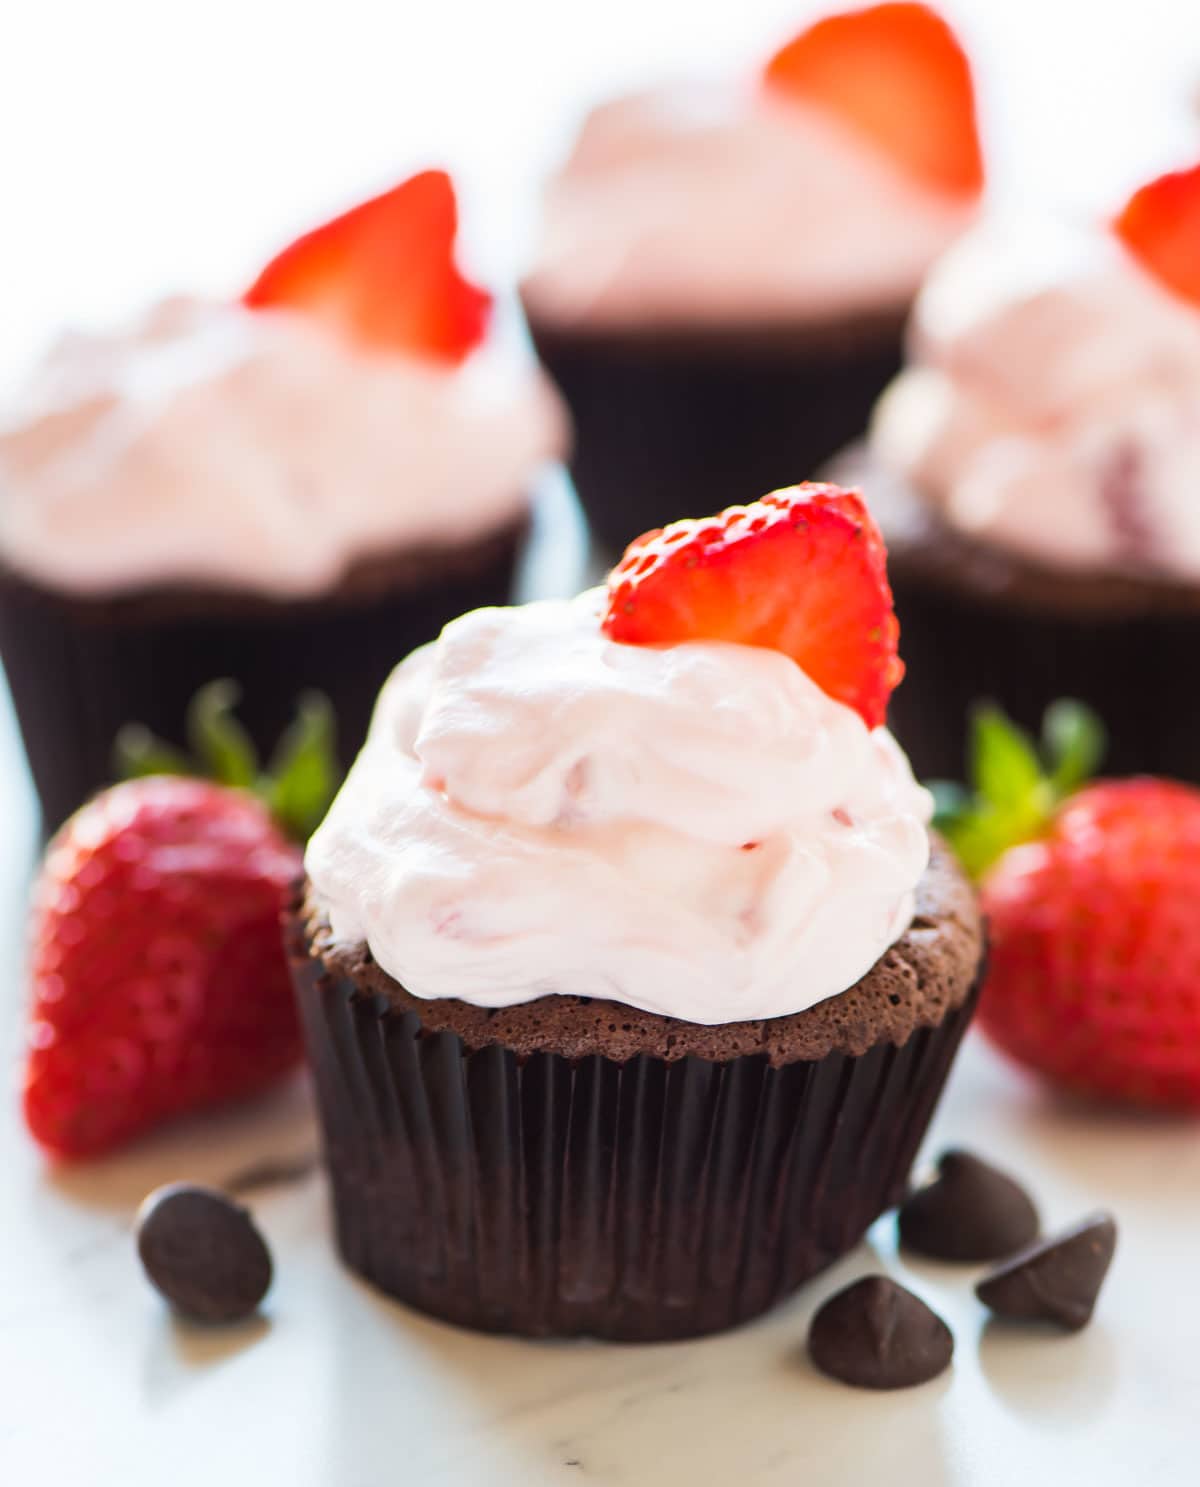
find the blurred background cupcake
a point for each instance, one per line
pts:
(1035, 470)
(281, 491)
(724, 270)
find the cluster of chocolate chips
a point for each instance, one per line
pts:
(877, 1335)
(203, 1253)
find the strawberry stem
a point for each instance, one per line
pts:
(297, 786)
(1015, 785)
(224, 748)
(137, 752)
(303, 775)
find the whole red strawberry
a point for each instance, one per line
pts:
(1094, 977)
(159, 983)
(803, 571)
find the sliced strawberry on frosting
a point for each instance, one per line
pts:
(384, 274)
(802, 571)
(895, 74)
(1160, 226)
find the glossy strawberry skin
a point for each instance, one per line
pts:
(1160, 225)
(159, 982)
(383, 274)
(1094, 976)
(895, 74)
(802, 571)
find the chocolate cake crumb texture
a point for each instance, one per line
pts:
(925, 975)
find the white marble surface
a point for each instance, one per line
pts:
(337, 1387)
(150, 146)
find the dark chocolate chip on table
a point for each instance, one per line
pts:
(877, 1335)
(970, 1211)
(203, 1253)
(1057, 1279)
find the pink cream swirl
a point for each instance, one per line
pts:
(697, 830)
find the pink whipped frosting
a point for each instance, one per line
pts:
(1052, 404)
(696, 830)
(216, 445)
(715, 205)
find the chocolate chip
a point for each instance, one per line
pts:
(877, 1335)
(203, 1253)
(970, 1211)
(1057, 1279)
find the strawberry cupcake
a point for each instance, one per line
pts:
(629, 969)
(1034, 470)
(724, 271)
(278, 490)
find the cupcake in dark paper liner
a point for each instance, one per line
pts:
(280, 491)
(629, 970)
(1034, 470)
(724, 270)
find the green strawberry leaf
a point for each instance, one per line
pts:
(297, 788)
(1004, 766)
(1013, 792)
(978, 838)
(950, 800)
(1073, 741)
(137, 753)
(224, 748)
(304, 777)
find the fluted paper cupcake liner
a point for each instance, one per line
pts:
(79, 668)
(641, 1200)
(674, 426)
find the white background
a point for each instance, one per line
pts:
(150, 147)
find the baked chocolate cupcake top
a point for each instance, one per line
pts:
(820, 187)
(928, 972)
(677, 797)
(1051, 409)
(349, 407)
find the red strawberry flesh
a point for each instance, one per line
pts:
(895, 74)
(159, 982)
(1094, 977)
(802, 571)
(383, 274)
(1160, 225)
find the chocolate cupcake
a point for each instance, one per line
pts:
(629, 971)
(1034, 471)
(724, 271)
(279, 491)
